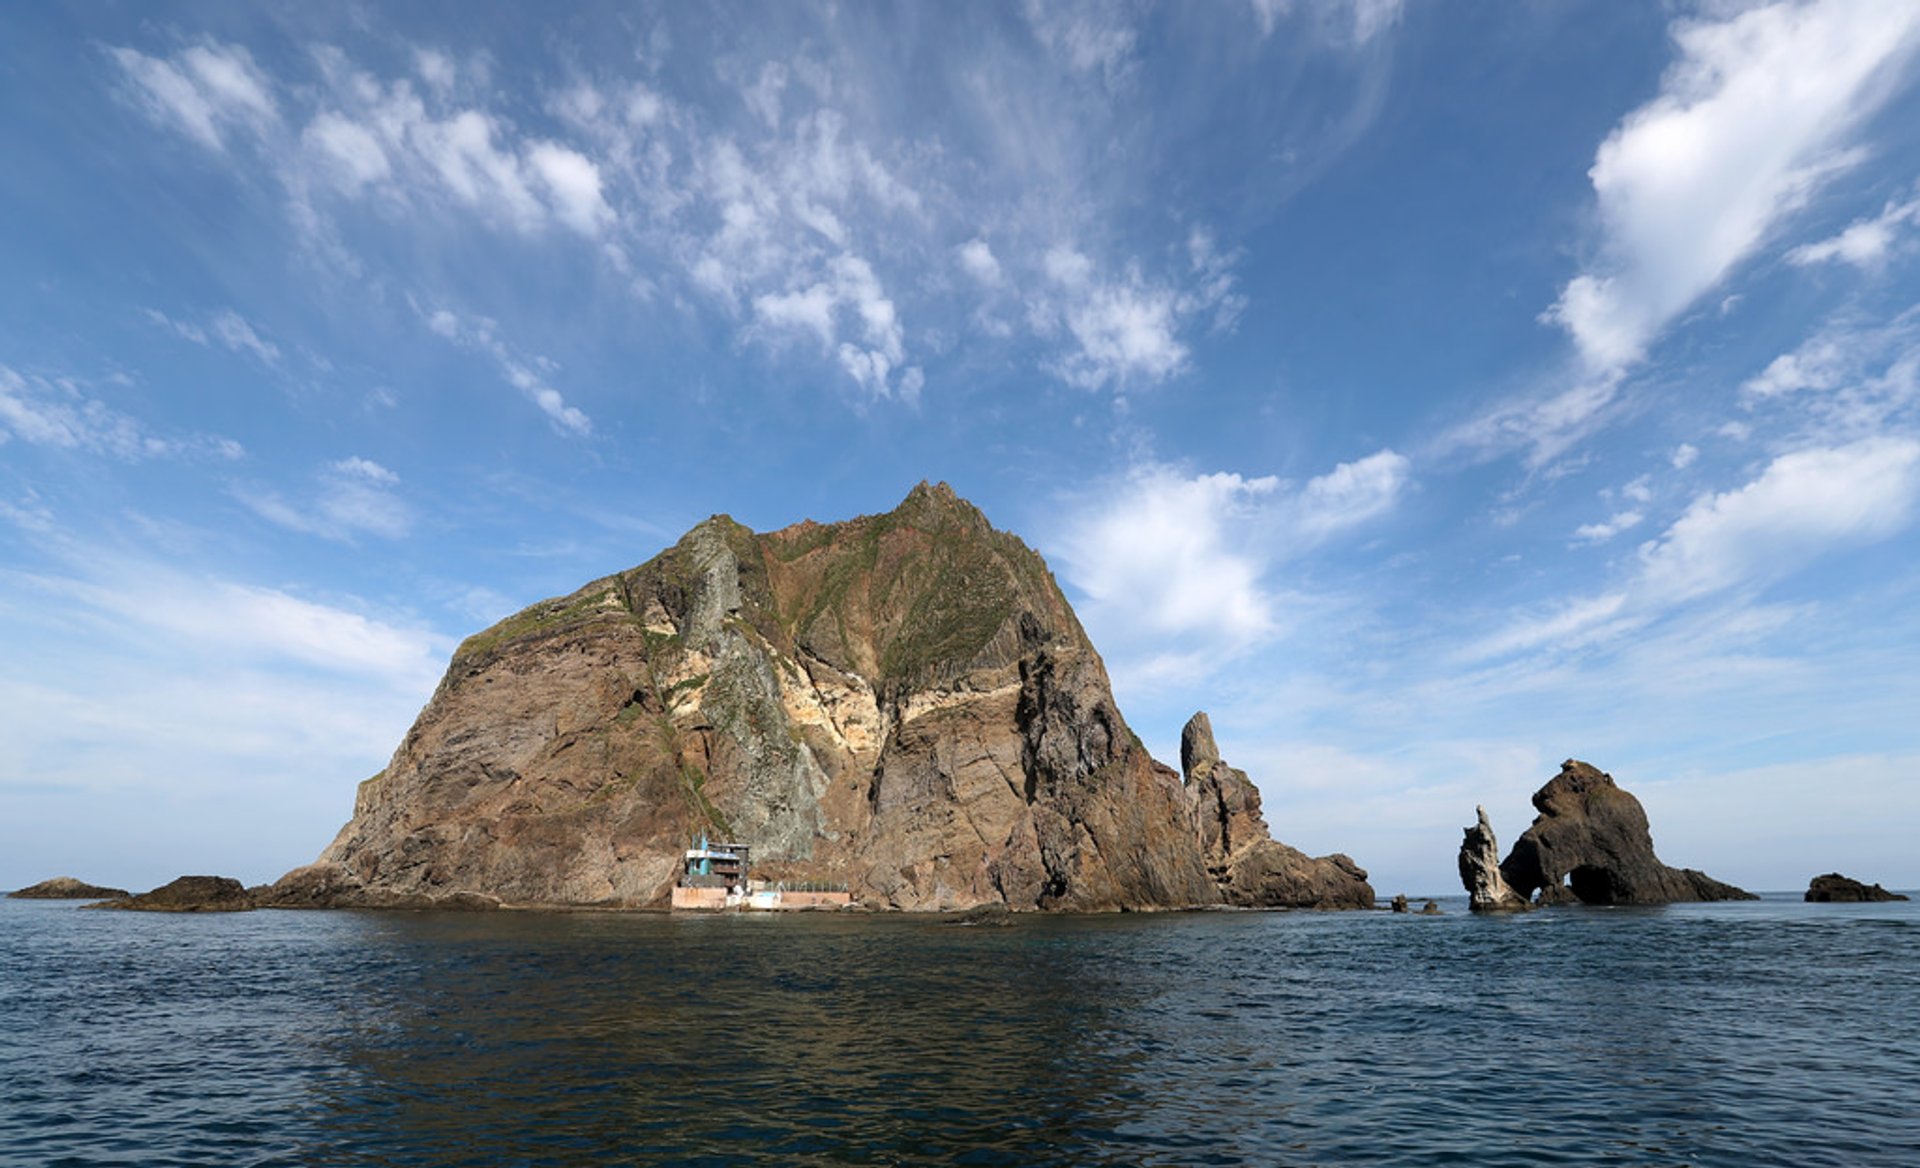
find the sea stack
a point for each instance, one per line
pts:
(903, 704)
(1252, 869)
(1590, 844)
(1487, 889)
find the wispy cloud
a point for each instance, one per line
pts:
(206, 91)
(1806, 504)
(59, 413)
(353, 496)
(526, 374)
(1865, 243)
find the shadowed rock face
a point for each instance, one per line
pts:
(67, 888)
(1833, 888)
(1591, 844)
(904, 702)
(1253, 869)
(1487, 889)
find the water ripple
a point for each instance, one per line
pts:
(1765, 1034)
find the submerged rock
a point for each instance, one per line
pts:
(1430, 909)
(1487, 889)
(904, 703)
(1252, 869)
(1591, 844)
(1833, 888)
(67, 888)
(189, 894)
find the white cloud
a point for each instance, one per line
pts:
(1352, 493)
(1684, 455)
(977, 260)
(1804, 504)
(1165, 550)
(1847, 381)
(435, 68)
(1125, 330)
(852, 291)
(1865, 243)
(204, 92)
(479, 335)
(347, 152)
(1756, 114)
(573, 186)
(1602, 532)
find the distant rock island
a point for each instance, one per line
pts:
(66, 888)
(903, 703)
(1833, 888)
(188, 894)
(1590, 844)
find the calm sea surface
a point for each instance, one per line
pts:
(1772, 1033)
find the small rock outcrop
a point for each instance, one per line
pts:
(1591, 844)
(1487, 889)
(189, 894)
(1833, 888)
(67, 888)
(1253, 869)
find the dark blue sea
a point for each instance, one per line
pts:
(1769, 1033)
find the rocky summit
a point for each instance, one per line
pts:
(1590, 844)
(903, 702)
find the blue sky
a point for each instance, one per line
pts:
(1430, 391)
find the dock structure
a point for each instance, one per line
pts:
(717, 876)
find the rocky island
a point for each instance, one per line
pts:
(1590, 844)
(901, 703)
(1833, 888)
(66, 888)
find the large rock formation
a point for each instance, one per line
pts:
(1487, 889)
(1833, 888)
(66, 888)
(1591, 844)
(1252, 869)
(904, 702)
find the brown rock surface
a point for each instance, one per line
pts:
(189, 894)
(1487, 889)
(1591, 844)
(1833, 888)
(904, 702)
(67, 888)
(1253, 869)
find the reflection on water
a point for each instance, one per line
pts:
(1728, 1034)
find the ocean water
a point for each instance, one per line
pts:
(1768, 1033)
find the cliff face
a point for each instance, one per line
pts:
(904, 702)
